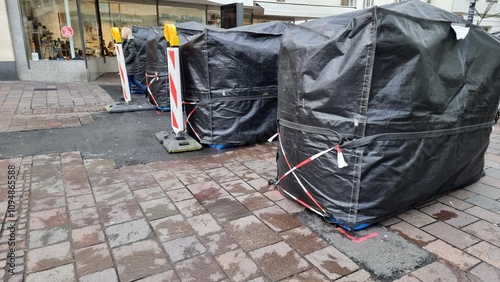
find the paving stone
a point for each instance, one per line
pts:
(182, 248)
(171, 184)
(487, 215)
(454, 202)
(462, 194)
(254, 201)
(48, 257)
(416, 218)
(486, 252)
(485, 202)
(412, 233)
(112, 194)
(360, 275)
(485, 190)
(450, 235)
(238, 266)
(251, 233)
(207, 190)
(194, 176)
(200, 268)
(73, 158)
(143, 195)
(47, 203)
(407, 278)
(390, 221)
(80, 202)
(97, 165)
(437, 271)
(332, 262)
(44, 237)
(84, 217)
(139, 260)
(168, 276)
(449, 215)
(311, 275)
(105, 177)
(492, 181)
(92, 259)
(290, 206)
(453, 255)
(178, 195)
(221, 174)
(62, 273)
(279, 261)
(277, 219)
(160, 172)
(172, 227)
(48, 218)
(204, 224)
(485, 272)
(121, 212)
(225, 208)
(484, 230)
(128, 232)
(237, 187)
(261, 185)
(158, 208)
(190, 208)
(303, 240)
(138, 177)
(87, 236)
(219, 243)
(245, 174)
(274, 195)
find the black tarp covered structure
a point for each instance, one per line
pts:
(230, 83)
(391, 89)
(156, 60)
(140, 37)
(157, 69)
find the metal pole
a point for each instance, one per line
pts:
(472, 9)
(68, 23)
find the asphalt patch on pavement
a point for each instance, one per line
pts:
(127, 138)
(116, 93)
(386, 256)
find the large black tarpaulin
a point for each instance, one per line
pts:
(409, 106)
(157, 69)
(140, 37)
(230, 83)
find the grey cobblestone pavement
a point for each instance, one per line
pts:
(210, 218)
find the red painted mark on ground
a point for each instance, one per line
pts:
(357, 240)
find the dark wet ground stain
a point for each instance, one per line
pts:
(444, 215)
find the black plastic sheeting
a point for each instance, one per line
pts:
(230, 83)
(157, 69)
(141, 35)
(410, 106)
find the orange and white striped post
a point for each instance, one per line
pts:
(115, 32)
(174, 78)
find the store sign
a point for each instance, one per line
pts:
(67, 31)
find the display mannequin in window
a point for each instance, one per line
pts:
(130, 55)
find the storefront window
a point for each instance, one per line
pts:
(90, 29)
(124, 14)
(172, 15)
(213, 16)
(43, 20)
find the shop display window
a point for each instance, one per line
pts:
(43, 20)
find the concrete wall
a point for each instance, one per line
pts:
(7, 57)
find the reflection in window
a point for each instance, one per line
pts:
(90, 29)
(43, 20)
(172, 15)
(124, 14)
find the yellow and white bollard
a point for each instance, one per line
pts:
(174, 78)
(180, 141)
(115, 32)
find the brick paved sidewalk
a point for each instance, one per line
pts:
(205, 219)
(37, 105)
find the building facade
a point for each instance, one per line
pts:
(70, 40)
